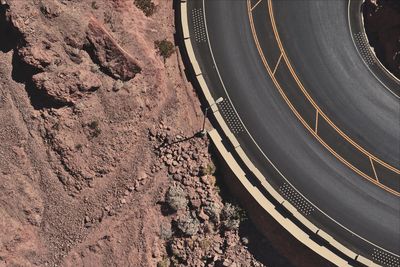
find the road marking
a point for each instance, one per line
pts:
(311, 100)
(262, 152)
(256, 144)
(373, 168)
(316, 121)
(330, 149)
(277, 64)
(259, 1)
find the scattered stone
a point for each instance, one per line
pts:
(118, 84)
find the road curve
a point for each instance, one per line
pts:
(323, 54)
(354, 211)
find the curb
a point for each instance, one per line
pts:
(258, 196)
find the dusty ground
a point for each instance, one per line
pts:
(99, 165)
(382, 24)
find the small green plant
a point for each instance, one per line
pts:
(176, 198)
(205, 244)
(232, 216)
(95, 130)
(209, 169)
(188, 225)
(95, 5)
(166, 232)
(164, 263)
(78, 146)
(165, 48)
(146, 6)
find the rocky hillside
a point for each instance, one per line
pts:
(99, 161)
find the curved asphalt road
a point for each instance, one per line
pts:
(366, 211)
(317, 40)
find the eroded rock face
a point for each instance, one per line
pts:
(67, 86)
(109, 55)
(382, 24)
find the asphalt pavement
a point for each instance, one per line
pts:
(316, 36)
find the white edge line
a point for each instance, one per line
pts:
(223, 85)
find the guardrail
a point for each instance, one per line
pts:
(256, 193)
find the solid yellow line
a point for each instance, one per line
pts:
(316, 122)
(259, 1)
(373, 168)
(346, 137)
(277, 64)
(302, 120)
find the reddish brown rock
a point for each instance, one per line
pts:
(111, 56)
(67, 86)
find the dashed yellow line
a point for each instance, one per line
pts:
(277, 85)
(373, 168)
(316, 121)
(259, 1)
(311, 100)
(277, 64)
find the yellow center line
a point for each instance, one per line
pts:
(277, 85)
(373, 168)
(311, 100)
(316, 121)
(277, 64)
(259, 1)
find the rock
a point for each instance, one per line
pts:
(177, 177)
(118, 85)
(203, 216)
(111, 56)
(152, 132)
(50, 9)
(195, 202)
(226, 263)
(172, 170)
(218, 249)
(142, 176)
(204, 179)
(68, 85)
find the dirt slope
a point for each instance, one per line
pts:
(95, 130)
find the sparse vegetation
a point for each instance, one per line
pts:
(208, 170)
(95, 130)
(213, 210)
(165, 48)
(232, 216)
(147, 6)
(95, 5)
(117, 85)
(176, 198)
(95, 68)
(166, 232)
(188, 225)
(164, 263)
